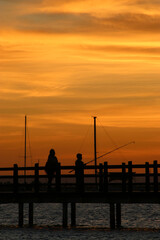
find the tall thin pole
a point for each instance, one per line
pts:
(95, 148)
(25, 149)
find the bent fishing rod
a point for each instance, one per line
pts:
(107, 153)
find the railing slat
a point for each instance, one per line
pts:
(105, 177)
(155, 171)
(123, 177)
(130, 178)
(147, 178)
(110, 177)
(100, 177)
(58, 178)
(36, 180)
(15, 178)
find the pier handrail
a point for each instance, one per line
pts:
(127, 177)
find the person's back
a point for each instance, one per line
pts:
(52, 162)
(51, 166)
(79, 164)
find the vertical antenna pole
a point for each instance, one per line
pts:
(25, 150)
(95, 149)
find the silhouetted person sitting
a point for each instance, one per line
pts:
(51, 166)
(79, 171)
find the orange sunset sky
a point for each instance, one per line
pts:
(64, 61)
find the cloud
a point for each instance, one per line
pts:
(122, 49)
(136, 22)
(87, 23)
(6, 2)
(61, 2)
(11, 52)
(146, 2)
(42, 16)
(57, 22)
(84, 98)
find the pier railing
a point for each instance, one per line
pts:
(127, 177)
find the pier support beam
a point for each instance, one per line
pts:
(73, 214)
(65, 215)
(31, 214)
(20, 222)
(112, 216)
(118, 215)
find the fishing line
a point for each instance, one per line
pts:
(84, 138)
(113, 142)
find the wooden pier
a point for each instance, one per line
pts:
(113, 184)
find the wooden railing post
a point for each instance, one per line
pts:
(36, 180)
(100, 177)
(106, 177)
(15, 178)
(147, 177)
(130, 177)
(58, 178)
(123, 177)
(155, 171)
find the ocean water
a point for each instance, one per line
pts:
(139, 221)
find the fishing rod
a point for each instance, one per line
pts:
(108, 153)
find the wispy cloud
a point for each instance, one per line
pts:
(11, 52)
(122, 49)
(63, 61)
(89, 24)
(11, 2)
(33, 16)
(145, 2)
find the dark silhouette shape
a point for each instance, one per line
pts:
(51, 167)
(79, 171)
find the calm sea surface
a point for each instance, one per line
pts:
(139, 221)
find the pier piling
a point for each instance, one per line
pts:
(20, 223)
(112, 216)
(73, 214)
(65, 215)
(118, 215)
(31, 214)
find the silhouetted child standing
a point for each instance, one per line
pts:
(51, 166)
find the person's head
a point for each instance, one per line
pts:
(79, 156)
(52, 152)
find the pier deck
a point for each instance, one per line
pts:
(113, 185)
